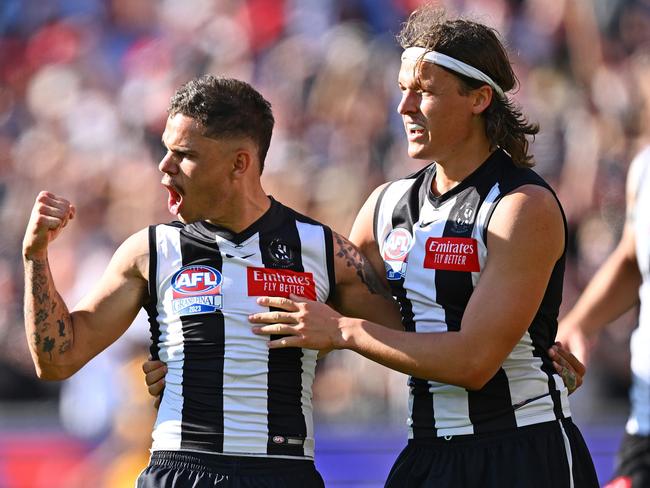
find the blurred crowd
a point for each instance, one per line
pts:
(83, 89)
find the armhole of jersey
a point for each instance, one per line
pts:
(153, 266)
(488, 217)
(329, 259)
(375, 218)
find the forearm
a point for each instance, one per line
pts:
(447, 357)
(48, 324)
(612, 291)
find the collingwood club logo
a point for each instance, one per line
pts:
(281, 253)
(462, 220)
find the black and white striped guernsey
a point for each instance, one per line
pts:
(434, 249)
(225, 391)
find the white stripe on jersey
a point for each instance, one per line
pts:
(384, 223)
(245, 364)
(312, 237)
(569, 456)
(168, 421)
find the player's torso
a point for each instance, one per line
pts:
(434, 250)
(225, 391)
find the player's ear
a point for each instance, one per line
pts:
(242, 163)
(481, 98)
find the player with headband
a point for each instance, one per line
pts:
(473, 247)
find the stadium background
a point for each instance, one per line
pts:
(83, 88)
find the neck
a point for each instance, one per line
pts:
(459, 164)
(243, 209)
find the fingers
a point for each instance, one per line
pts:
(279, 302)
(155, 389)
(49, 215)
(273, 317)
(571, 359)
(291, 341)
(570, 379)
(275, 329)
(154, 378)
(151, 365)
(567, 366)
(54, 209)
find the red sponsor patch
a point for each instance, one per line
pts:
(452, 254)
(280, 283)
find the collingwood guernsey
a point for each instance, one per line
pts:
(434, 250)
(225, 391)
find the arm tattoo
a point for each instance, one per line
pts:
(45, 320)
(354, 258)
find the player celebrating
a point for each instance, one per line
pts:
(234, 412)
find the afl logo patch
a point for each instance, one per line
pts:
(395, 252)
(196, 289)
(397, 244)
(278, 439)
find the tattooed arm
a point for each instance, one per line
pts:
(62, 341)
(360, 291)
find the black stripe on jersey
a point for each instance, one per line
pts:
(203, 338)
(405, 214)
(329, 258)
(285, 416)
(151, 305)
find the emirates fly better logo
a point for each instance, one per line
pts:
(280, 283)
(196, 289)
(451, 254)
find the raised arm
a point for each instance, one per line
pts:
(613, 290)
(62, 341)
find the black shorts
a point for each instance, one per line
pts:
(530, 457)
(181, 469)
(632, 463)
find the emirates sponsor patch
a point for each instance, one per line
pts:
(452, 254)
(280, 283)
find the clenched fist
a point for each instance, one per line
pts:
(50, 215)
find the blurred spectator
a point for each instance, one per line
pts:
(83, 85)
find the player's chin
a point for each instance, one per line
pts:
(417, 152)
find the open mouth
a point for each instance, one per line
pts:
(174, 200)
(415, 130)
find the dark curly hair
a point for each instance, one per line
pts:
(226, 107)
(480, 47)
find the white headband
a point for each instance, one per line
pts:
(416, 54)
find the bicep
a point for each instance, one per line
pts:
(525, 240)
(360, 291)
(103, 315)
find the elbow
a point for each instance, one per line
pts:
(51, 373)
(476, 375)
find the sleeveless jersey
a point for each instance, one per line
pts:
(639, 420)
(434, 250)
(225, 391)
